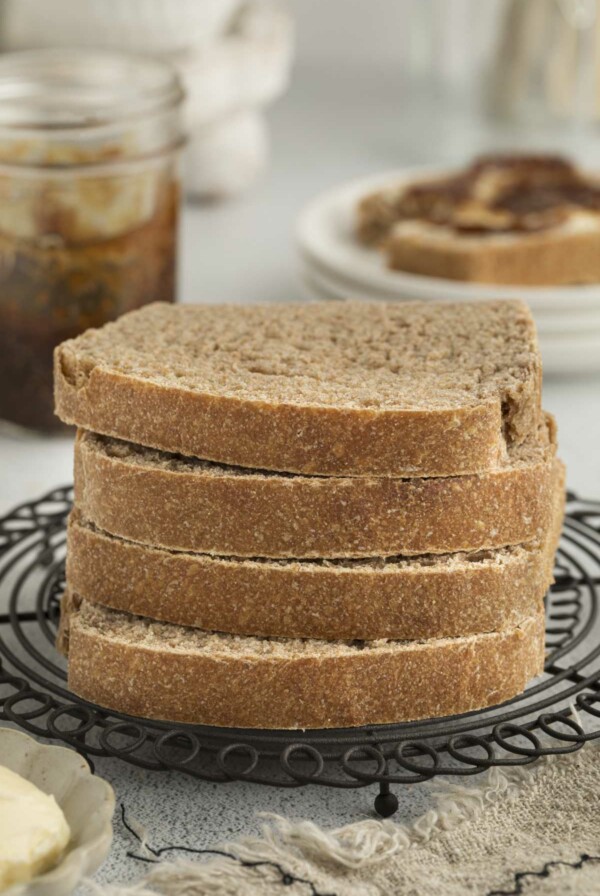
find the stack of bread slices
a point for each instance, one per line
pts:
(308, 516)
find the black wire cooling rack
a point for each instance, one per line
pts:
(558, 713)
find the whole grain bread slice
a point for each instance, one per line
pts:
(567, 253)
(428, 596)
(190, 505)
(161, 671)
(357, 388)
(515, 219)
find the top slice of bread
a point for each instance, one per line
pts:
(357, 388)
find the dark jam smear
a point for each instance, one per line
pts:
(527, 199)
(434, 200)
(49, 294)
(536, 167)
(522, 193)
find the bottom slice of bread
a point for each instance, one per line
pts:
(168, 672)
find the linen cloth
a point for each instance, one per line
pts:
(521, 830)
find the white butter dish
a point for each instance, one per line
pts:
(87, 801)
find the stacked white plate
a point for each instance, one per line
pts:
(335, 265)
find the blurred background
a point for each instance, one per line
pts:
(283, 101)
(367, 87)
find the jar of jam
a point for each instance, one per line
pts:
(89, 197)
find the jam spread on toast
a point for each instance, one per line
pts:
(496, 194)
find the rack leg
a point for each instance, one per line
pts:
(386, 803)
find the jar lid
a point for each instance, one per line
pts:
(66, 108)
(65, 89)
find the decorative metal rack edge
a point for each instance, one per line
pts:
(555, 715)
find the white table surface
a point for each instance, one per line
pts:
(244, 251)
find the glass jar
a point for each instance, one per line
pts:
(89, 199)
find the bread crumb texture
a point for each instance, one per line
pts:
(354, 355)
(348, 387)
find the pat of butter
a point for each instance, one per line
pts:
(33, 830)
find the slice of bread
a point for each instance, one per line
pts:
(329, 388)
(532, 220)
(161, 671)
(190, 505)
(567, 253)
(429, 596)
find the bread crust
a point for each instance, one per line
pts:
(265, 436)
(400, 681)
(447, 597)
(213, 510)
(451, 438)
(548, 258)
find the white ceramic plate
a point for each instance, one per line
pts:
(87, 801)
(326, 239)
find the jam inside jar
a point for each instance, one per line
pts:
(89, 200)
